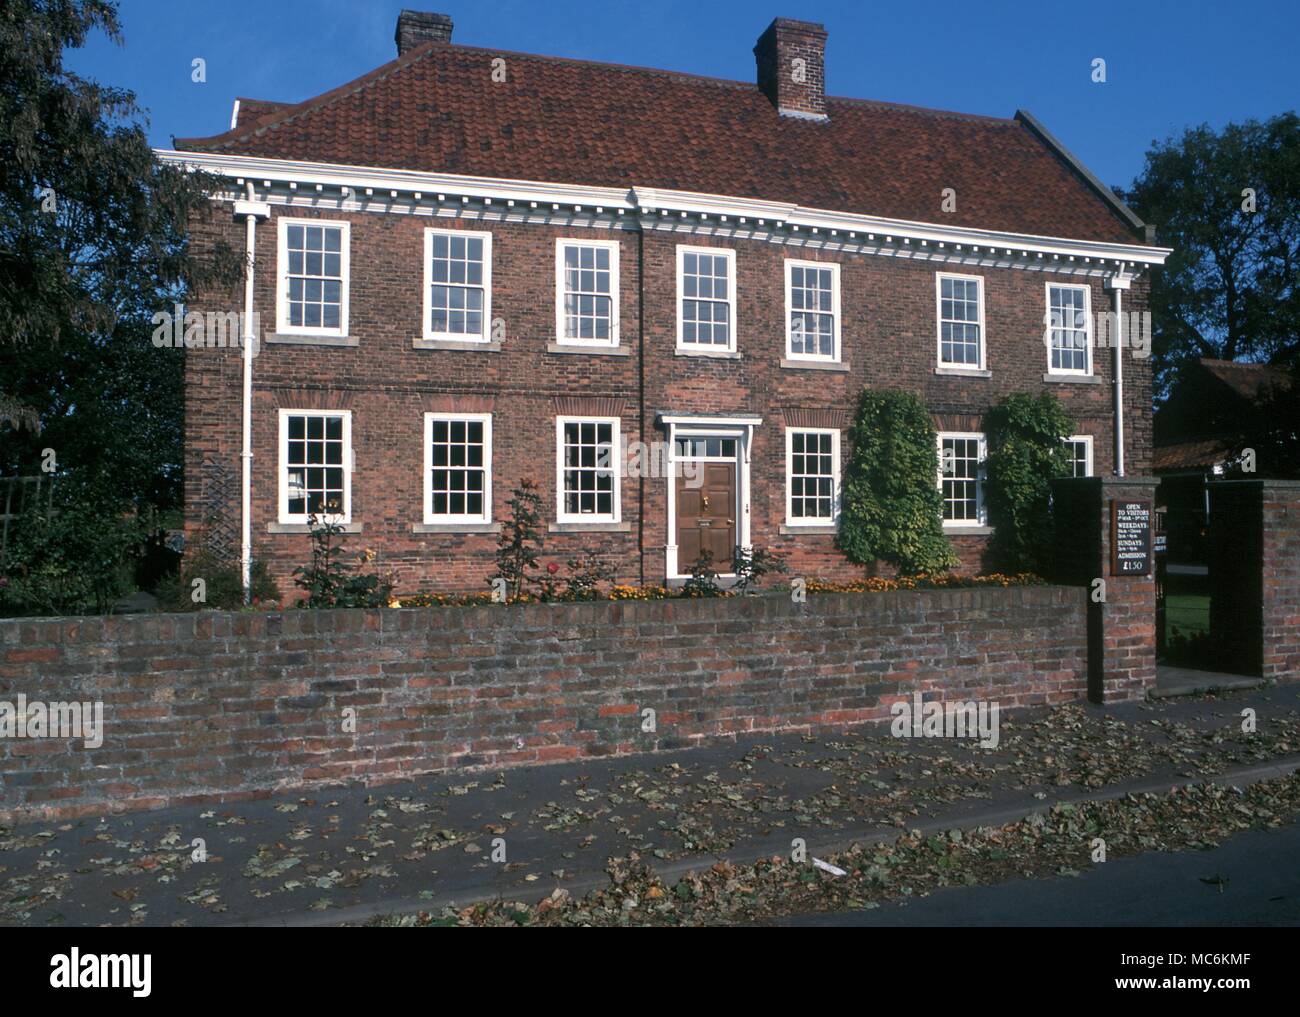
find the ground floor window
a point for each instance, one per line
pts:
(961, 478)
(1080, 450)
(812, 474)
(458, 467)
(587, 488)
(315, 465)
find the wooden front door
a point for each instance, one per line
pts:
(706, 516)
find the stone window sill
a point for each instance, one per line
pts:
(470, 345)
(294, 339)
(968, 531)
(589, 528)
(597, 351)
(814, 365)
(708, 354)
(788, 530)
(456, 528)
(1073, 379)
(306, 528)
(962, 372)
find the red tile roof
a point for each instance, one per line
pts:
(1250, 381)
(1190, 455)
(436, 109)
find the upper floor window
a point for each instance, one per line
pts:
(706, 299)
(457, 285)
(961, 478)
(961, 320)
(812, 301)
(1069, 330)
(586, 473)
(312, 288)
(315, 465)
(812, 471)
(1079, 447)
(586, 292)
(458, 467)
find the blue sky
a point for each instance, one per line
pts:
(1169, 65)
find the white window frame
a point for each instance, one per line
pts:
(790, 265)
(430, 518)
(981, 513)
(457, 337)
(697, 347)
(1086, 441)
(939, 277)
(348, 464)
(790, 518)
(615, 284)
(616, 447)
(282, 277)
(1087, 319)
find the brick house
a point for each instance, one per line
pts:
(657, 295)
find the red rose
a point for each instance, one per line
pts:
(552, 568)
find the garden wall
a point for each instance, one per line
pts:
(220, 706)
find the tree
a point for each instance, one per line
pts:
(1026, 449)
(891, 508)
(92, 245)
(1228, 203)
(521, 541)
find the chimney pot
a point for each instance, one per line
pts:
(791, 58)
(415, 28)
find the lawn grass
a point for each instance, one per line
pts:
(1187, 614)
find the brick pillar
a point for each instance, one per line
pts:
(1254, 560)
(1122, 630)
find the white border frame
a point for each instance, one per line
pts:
(486, 516)
(457, 337)
(615, 285)
(834, 266)
(1086, 439)
(981, 512)
(938, 324)
(616, 450)
(804, 521)
(1049, 285)
(282, 466)
(706, 348)
(282, 276)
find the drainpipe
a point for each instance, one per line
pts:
(1117, 284)
(251, 210)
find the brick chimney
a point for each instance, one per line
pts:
(415, 28)
(791, 59)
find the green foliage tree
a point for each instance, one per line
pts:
(92, 244)
(891, 508)
(1231, 288)
(1026, 449)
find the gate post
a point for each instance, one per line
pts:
(1089, 513)
(1254, 559)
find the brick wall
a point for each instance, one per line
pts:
(888, 338)
(1121, 629)
(1254, 561)
(219, 706)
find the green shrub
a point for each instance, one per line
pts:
(75, 559)
(751, 568)
(334, 578)
(891, 507)
(1026, 449)
(521, 539)
(223, 587)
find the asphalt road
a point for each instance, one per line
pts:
(1254, 880)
